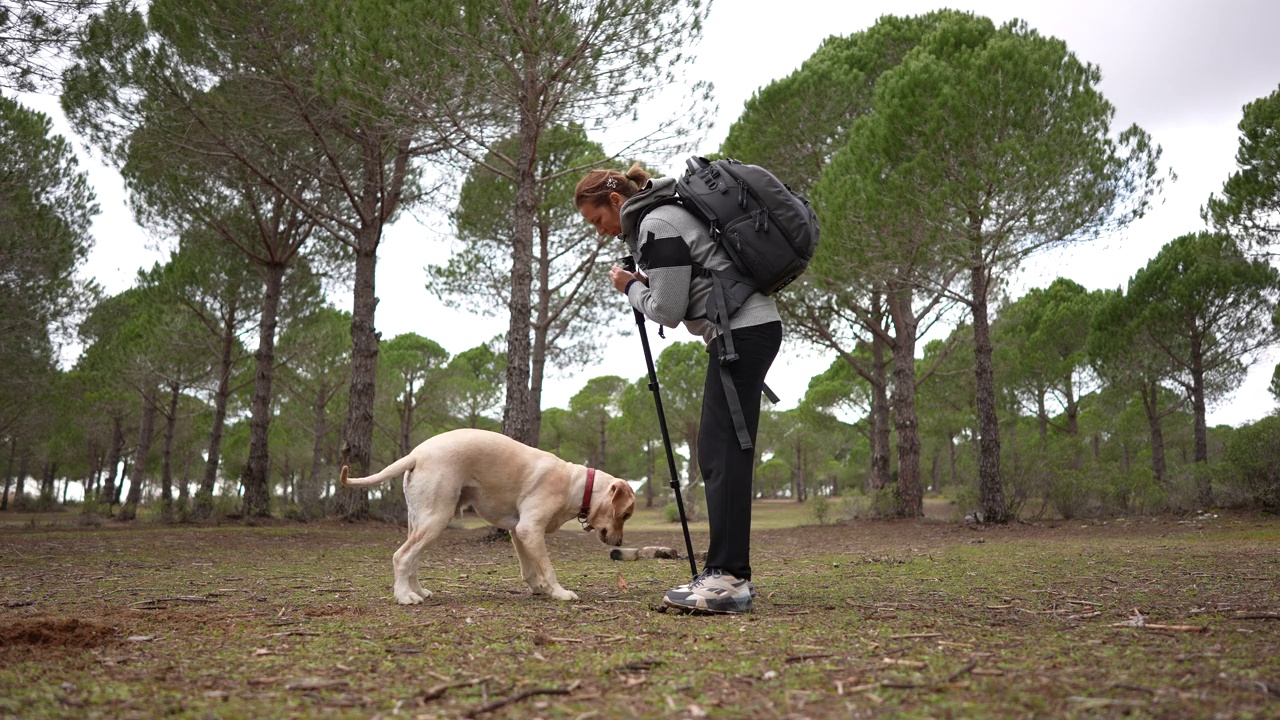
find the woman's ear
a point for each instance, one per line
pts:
(616, 200)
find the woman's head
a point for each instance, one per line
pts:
(601, 193)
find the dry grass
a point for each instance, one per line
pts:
(869, 619)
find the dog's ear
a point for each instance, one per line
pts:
(622, 497)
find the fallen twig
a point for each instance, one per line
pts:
(155, 602)
(1256, 615)
(806, 656)
(437, 690)
(962, 672)
(313, 683)
(916, 635)
(1151, 626)
(503, 702)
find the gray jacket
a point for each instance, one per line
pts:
(666, 244)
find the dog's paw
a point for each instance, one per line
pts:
(407, 597)
(565, 595)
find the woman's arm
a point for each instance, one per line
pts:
(664, 258)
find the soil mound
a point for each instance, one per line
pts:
(55, 632)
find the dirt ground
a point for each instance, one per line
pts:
(1171, 618)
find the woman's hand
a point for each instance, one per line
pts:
(621, 278)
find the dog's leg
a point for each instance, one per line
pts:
(531, 546)
(528, 570)
(428, 525)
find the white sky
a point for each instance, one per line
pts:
(1180, 69)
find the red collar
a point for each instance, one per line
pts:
(586, 498)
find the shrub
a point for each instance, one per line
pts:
(820, 508)
(694, 502)
(1253, 462)
(853, 504)
(1074, 493)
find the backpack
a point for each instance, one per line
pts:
(769, 232)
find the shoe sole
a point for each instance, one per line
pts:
(702, 611)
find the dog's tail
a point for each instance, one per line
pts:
(395, 469)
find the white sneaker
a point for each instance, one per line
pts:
(712, 591)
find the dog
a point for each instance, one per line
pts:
(522, 489)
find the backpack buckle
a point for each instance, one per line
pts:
(728, 358)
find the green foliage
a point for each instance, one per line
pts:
(46, 206)
(1249, 207)
(820, 508)
(1203, 303)
(794, 125)
(473, 390)
(33, 35)
(589, 425)
(568, 308)
(1041, 348)
(1253, 462)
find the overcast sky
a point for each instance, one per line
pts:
(1180, 69)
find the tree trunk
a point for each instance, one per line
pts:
(311, 493)
(8, 473)
(1150, 402)
(406, 420)
(990, 487)
(1203, 483)
(47, 494)
(953, 457)
(1042, 416)
(203, 507)
(910, 498)
(537, 375)
(256, 480)
(166, 466)
(110, 490)
(541, 328)
(880, 429)
(184, 490)
(602, 446)
(1073, 422)
(933, 468)
(20, 488)
(516, 420)
(93, 484)
(648, 484)
(353, 503)
(129, 510)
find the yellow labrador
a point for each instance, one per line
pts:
(511, 485)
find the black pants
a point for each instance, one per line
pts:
(726, 467)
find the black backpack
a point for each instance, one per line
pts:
(769, 232)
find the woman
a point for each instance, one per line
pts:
(671, 246)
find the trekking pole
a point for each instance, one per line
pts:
(629, 264)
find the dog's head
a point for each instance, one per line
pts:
(613, 509)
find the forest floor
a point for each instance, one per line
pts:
(1140, 617)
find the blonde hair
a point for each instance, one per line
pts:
(596, 186)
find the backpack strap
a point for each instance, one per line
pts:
(728, 355)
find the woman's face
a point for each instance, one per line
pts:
(606, 218)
